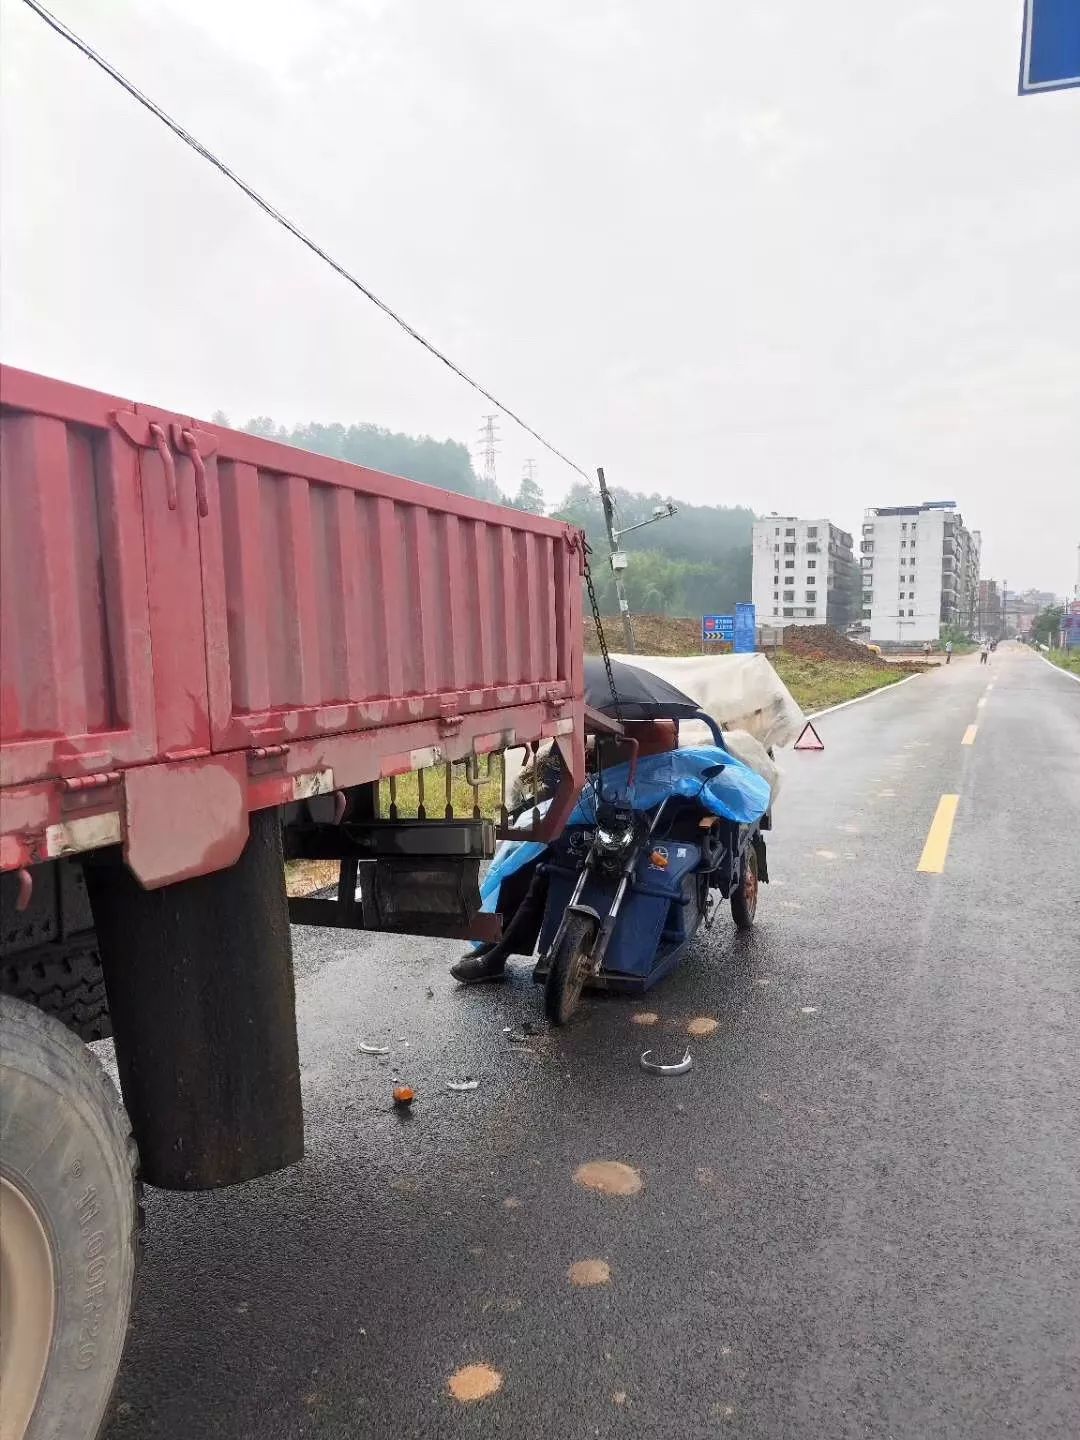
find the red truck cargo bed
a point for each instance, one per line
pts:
(197, 623)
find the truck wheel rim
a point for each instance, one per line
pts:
(27, 1307)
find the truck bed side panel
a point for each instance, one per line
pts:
(175, 592)
(76, 680)
(339, 599)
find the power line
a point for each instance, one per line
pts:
(66, 33)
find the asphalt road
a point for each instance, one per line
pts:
(859, 1213)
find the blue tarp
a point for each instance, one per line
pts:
(736, 793)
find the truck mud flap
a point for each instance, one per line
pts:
(200, 984)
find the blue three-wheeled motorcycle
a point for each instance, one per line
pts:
(658, 838)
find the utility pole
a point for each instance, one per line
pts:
(1004, 610)
(618, 558)
(618, 563)
(529, 466)
(489, 446)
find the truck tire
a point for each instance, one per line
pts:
(63, 979)
(70, 1228)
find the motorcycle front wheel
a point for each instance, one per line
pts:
(744, 899)
(568, 969)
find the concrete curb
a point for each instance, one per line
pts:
(1058, 670)
(870, 694)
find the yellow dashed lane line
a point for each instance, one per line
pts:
(932, 860)
(969, 735)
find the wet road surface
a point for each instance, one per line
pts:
(859, 1213)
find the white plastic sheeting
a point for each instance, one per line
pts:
(740, 692)
(743, 693)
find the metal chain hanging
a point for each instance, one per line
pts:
(601, 638)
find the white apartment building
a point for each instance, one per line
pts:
(804, 573)
(920, 570)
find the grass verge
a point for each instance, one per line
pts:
(817, 684)
(1066, 659)
(302, 877)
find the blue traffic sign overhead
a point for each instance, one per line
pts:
(718, 627)
(1050, 47)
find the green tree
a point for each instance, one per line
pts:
(657, 584)
(1046, 627)
(954, 634)
(695, 532)
(696, 562)
(529, 497)
(445, 463)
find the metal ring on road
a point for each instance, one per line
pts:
(654, 1067)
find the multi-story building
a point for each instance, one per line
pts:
(990, 621)
(804, 573)
(1022, 609)
(920, 571)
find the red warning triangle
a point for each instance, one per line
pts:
(811, 742)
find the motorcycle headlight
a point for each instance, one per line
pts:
(614, 837)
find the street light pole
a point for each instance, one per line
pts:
(616, 556)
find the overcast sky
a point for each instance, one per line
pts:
(806, 257)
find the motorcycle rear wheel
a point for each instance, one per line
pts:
(568, 970)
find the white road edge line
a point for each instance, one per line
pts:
(881, 690)
(1056, 668)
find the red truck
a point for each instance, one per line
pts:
(214, 648)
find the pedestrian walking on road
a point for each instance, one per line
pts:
(984, 653)
(926, 649)
(948, 651)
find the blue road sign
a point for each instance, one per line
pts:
(1050, 47)
(745, 629)
(718, 627)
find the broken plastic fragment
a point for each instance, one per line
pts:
(374, 1049)
(466, 1084)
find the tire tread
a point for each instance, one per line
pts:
(67, 983)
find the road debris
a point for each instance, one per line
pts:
(610, 1177)
(656, 1067)
(703, 1025)
(474, 1382)
(366, 1049)
(466, 1084)
(589, 1272)
(523, 1033)
(404, 1095)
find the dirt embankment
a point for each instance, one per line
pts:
(822, 642)
(671, 635)
(655, 635)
